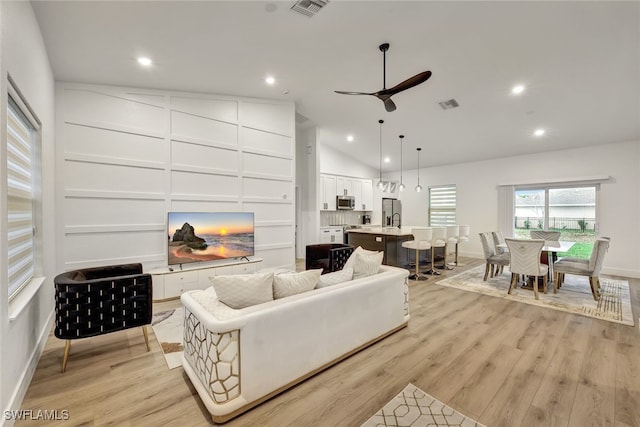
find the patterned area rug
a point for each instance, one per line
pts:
(414, 407)
(574, 296)
(167, 327)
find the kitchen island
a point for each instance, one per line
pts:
(387, 239)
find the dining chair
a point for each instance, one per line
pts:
(421, 242)
(547, 236)
(578, 266)
(525, 260)
(494, 262)
(500, 245)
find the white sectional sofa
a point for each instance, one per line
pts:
(237, 359)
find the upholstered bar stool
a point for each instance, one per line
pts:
(421, 242)
(438, 240)
(463, 236)
(452, 239)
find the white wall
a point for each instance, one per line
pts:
(127, 156)
(477, 194)
(23, 56)
(308, 180)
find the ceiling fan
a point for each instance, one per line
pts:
(385, 94)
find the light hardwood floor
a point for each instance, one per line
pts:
(503, 363)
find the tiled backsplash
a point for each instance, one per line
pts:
(341, 217)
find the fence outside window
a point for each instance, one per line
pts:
(555, 223)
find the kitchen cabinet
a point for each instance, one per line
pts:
(344, 186)
(367, 196)
(331, 235)
(357, 194)
(328, 192)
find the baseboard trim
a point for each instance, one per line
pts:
(15, 402)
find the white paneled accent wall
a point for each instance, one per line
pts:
(127, 156)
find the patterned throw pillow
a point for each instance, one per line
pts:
(285, 285)
(334, 278)
(243, 290)
(367, 265)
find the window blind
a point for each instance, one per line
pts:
(442, 206)
(20, 224)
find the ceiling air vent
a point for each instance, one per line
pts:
(451, 103)
(309, 8)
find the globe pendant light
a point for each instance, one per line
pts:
(418, 187)
(380, 183)
(401, 186)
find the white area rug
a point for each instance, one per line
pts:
(167, 327)
(573, 296)
(413, 407)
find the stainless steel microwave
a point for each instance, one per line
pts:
(345, 202)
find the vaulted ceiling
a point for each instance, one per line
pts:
(579, 62)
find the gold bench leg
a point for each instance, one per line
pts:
(146, 336)
(65, 358)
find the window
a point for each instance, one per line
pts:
(442, 206)
(21, 193)
(572, 210)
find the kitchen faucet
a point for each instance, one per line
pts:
(399, 218)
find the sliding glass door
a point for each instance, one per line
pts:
(570, 210)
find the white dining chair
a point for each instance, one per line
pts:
(525, 259)
(494, 262)
(579, 267)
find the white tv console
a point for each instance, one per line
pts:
(171, 283)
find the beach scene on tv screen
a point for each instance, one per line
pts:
(208, 236)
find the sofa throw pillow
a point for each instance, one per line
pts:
(367, 264)
(287, 284)
(334, 278)
(243, 290)
(354, 256)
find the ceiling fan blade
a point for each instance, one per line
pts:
(407, 84)
(342, 92)
(389, 105)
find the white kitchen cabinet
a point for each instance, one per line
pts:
(357, 194)
(367, 195)
(328, 192)
(331, 235)
(344, 186)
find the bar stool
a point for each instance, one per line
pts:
(463, 236)
(438, 240)
(421, 242)
(452, 238)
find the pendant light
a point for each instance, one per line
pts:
(380, 183)
(418, 187)
(401, 186)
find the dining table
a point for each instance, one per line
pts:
(550, 246)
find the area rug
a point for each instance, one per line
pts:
(167, 327)
(414, 407)
(574, 296)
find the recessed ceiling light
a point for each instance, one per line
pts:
(539, 132)
(144, 61)
(350, 138)
(517, 89)
(270, 80)
(387, 160)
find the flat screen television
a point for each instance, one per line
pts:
(209, 236)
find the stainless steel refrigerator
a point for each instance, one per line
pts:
(391, 212)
